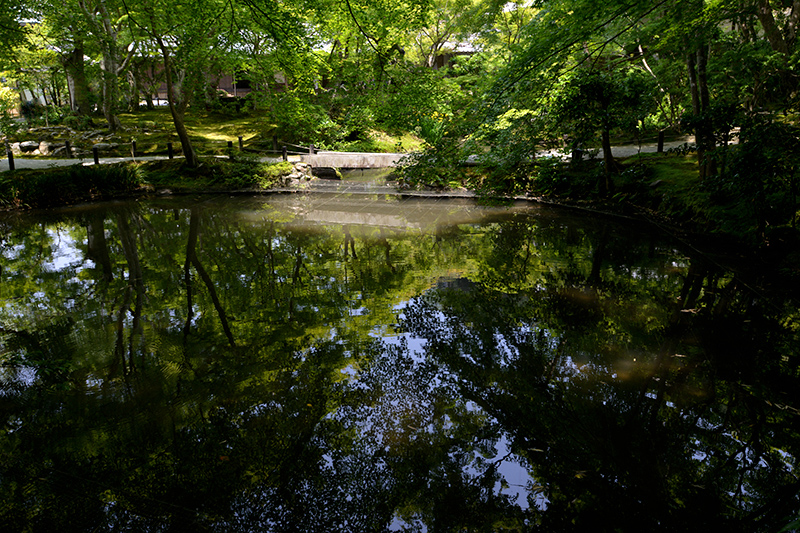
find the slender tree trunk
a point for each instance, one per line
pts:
(709, 143)
(110, 69)
(135, 286)
(99, 20)
(611, 166)
(699, 91)
(175, 109)
(110, 93)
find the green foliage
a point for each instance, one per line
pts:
(12, 33)
(431, 129)
(434, 167)
(77, 122)
(67, 185)
(296, 118)
(243, 172)
(592, 101)
(8, 102)
(357, 122)
(759, 185)
(411, 94)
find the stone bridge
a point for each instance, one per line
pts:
(346, 160)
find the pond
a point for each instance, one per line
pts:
(323, 362)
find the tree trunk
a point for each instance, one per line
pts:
(606, 183)
(111, 69)
(696, 64)
(110, 94)
(771, 30)
(99, 21)
(177, 110)
(709, 143)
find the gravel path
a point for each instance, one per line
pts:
(23, 162)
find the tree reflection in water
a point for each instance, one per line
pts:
(218, 366)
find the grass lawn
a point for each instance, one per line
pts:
(210, 131)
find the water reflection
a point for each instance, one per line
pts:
(321, 363)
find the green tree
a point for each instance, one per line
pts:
(106, 22)
(12, 32)
(602, 101)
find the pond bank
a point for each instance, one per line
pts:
(55, 187)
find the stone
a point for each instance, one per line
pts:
(47, 147)
(28, 146)
(104, 147)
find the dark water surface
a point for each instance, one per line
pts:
(333, 363)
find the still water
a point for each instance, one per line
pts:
(361, 363)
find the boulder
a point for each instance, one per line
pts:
(303, 168)
(47, 147)
(104, 147)
(28, 146)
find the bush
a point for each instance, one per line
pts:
(77, 122)
(298, 120)
(67, 185)
(8, 102)
(411, 95)
(760, 181)
(244, 172)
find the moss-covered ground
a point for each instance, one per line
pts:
(210, 132)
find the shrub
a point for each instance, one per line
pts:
(760, 181)
(67, 185)
(298, 120)
(8, 101)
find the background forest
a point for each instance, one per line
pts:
(491, 82)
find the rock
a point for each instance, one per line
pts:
(15, 149)
(28, 146)
(47, 147)
(104, 147)
(91, 135)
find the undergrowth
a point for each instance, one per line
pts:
(69, 185)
